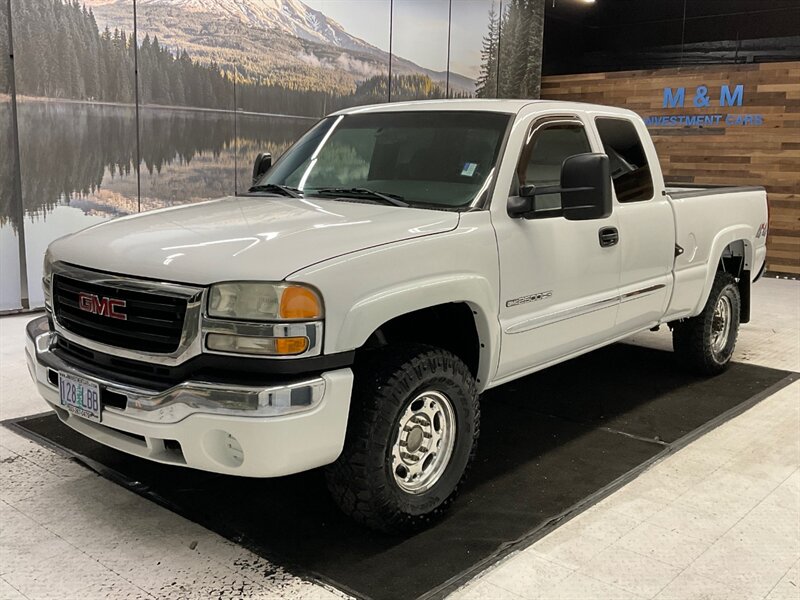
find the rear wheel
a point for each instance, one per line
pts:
(705, 343)
(414, 424)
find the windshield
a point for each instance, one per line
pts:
(440, 159)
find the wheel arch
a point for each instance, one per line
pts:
(458, 315)
(732, 252)
(451, 326)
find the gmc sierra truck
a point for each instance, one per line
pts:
(392, 265)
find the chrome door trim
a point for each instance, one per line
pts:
(583, 309)
(636, 294)
(562, 315)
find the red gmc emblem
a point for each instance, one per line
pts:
(105, 307)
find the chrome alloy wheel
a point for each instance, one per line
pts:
(721, 325)
(426, 436)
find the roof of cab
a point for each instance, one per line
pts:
(472, 104)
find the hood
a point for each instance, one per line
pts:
(245, 238)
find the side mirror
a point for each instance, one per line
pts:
(525, 205)
(585, 191)
(521, 205)
(262, 165)
(586, 187)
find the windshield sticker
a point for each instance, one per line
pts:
(469, 169)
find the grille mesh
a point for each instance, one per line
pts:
(153, 323)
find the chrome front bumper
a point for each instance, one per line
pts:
(220, 427)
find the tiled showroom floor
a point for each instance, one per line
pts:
(717, 519)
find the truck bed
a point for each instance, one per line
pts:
(678, 191)
(707, 219)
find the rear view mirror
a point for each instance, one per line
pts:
(586, 187)
(261, 166)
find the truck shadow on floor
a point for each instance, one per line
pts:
(548, 442)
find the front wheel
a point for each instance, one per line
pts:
(414, 424)
(705, 343)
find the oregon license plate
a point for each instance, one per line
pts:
(80, 396)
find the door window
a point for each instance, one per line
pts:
(629, 169)
(549, 145)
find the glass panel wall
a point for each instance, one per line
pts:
(520, 48)
(77, 136)
(217, 83)
(474, 35)
(325, 55)
(419, 49)
(186, 97)
(10, 206)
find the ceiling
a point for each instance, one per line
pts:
(752, 18)
(611, 34)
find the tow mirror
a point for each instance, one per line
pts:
(585, 191)
(261, 166)
(586, 187)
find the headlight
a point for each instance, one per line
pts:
(251, 301)
(47, 277)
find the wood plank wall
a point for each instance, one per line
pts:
(767, 155)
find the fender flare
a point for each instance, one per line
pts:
(379, 307)
(723, 239)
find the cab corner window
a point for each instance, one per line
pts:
(549, 145)
(629, 169)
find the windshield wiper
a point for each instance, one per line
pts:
(393, 199)
(277, 189)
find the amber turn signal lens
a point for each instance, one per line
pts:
(300, 303)
(222, 342)
(294, 345)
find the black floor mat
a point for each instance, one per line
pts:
(548, 442)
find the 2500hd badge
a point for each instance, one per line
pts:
(529, 298)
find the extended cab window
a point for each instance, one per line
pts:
(549, 144)
(629, 168)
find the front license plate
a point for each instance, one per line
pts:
(80, 396)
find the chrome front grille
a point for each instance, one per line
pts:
(163, 322)
(133, 318)
(140, 321)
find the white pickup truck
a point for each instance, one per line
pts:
(396, 262)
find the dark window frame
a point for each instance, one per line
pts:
(535, 127)
(645, 167)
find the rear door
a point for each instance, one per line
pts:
(646, 223)
(559, 284)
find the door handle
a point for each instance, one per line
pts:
(609, 236)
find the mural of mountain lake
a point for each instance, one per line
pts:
(78, 166)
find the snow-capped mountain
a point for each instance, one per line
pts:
(288, 16)
(268, 37)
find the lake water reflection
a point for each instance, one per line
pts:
(78, 166)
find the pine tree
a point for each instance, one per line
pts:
(504, 54)
(60, 53)
(519, 48)
(533, 74)
(486, 86)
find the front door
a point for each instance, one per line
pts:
(559, 279)
(646, 225)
